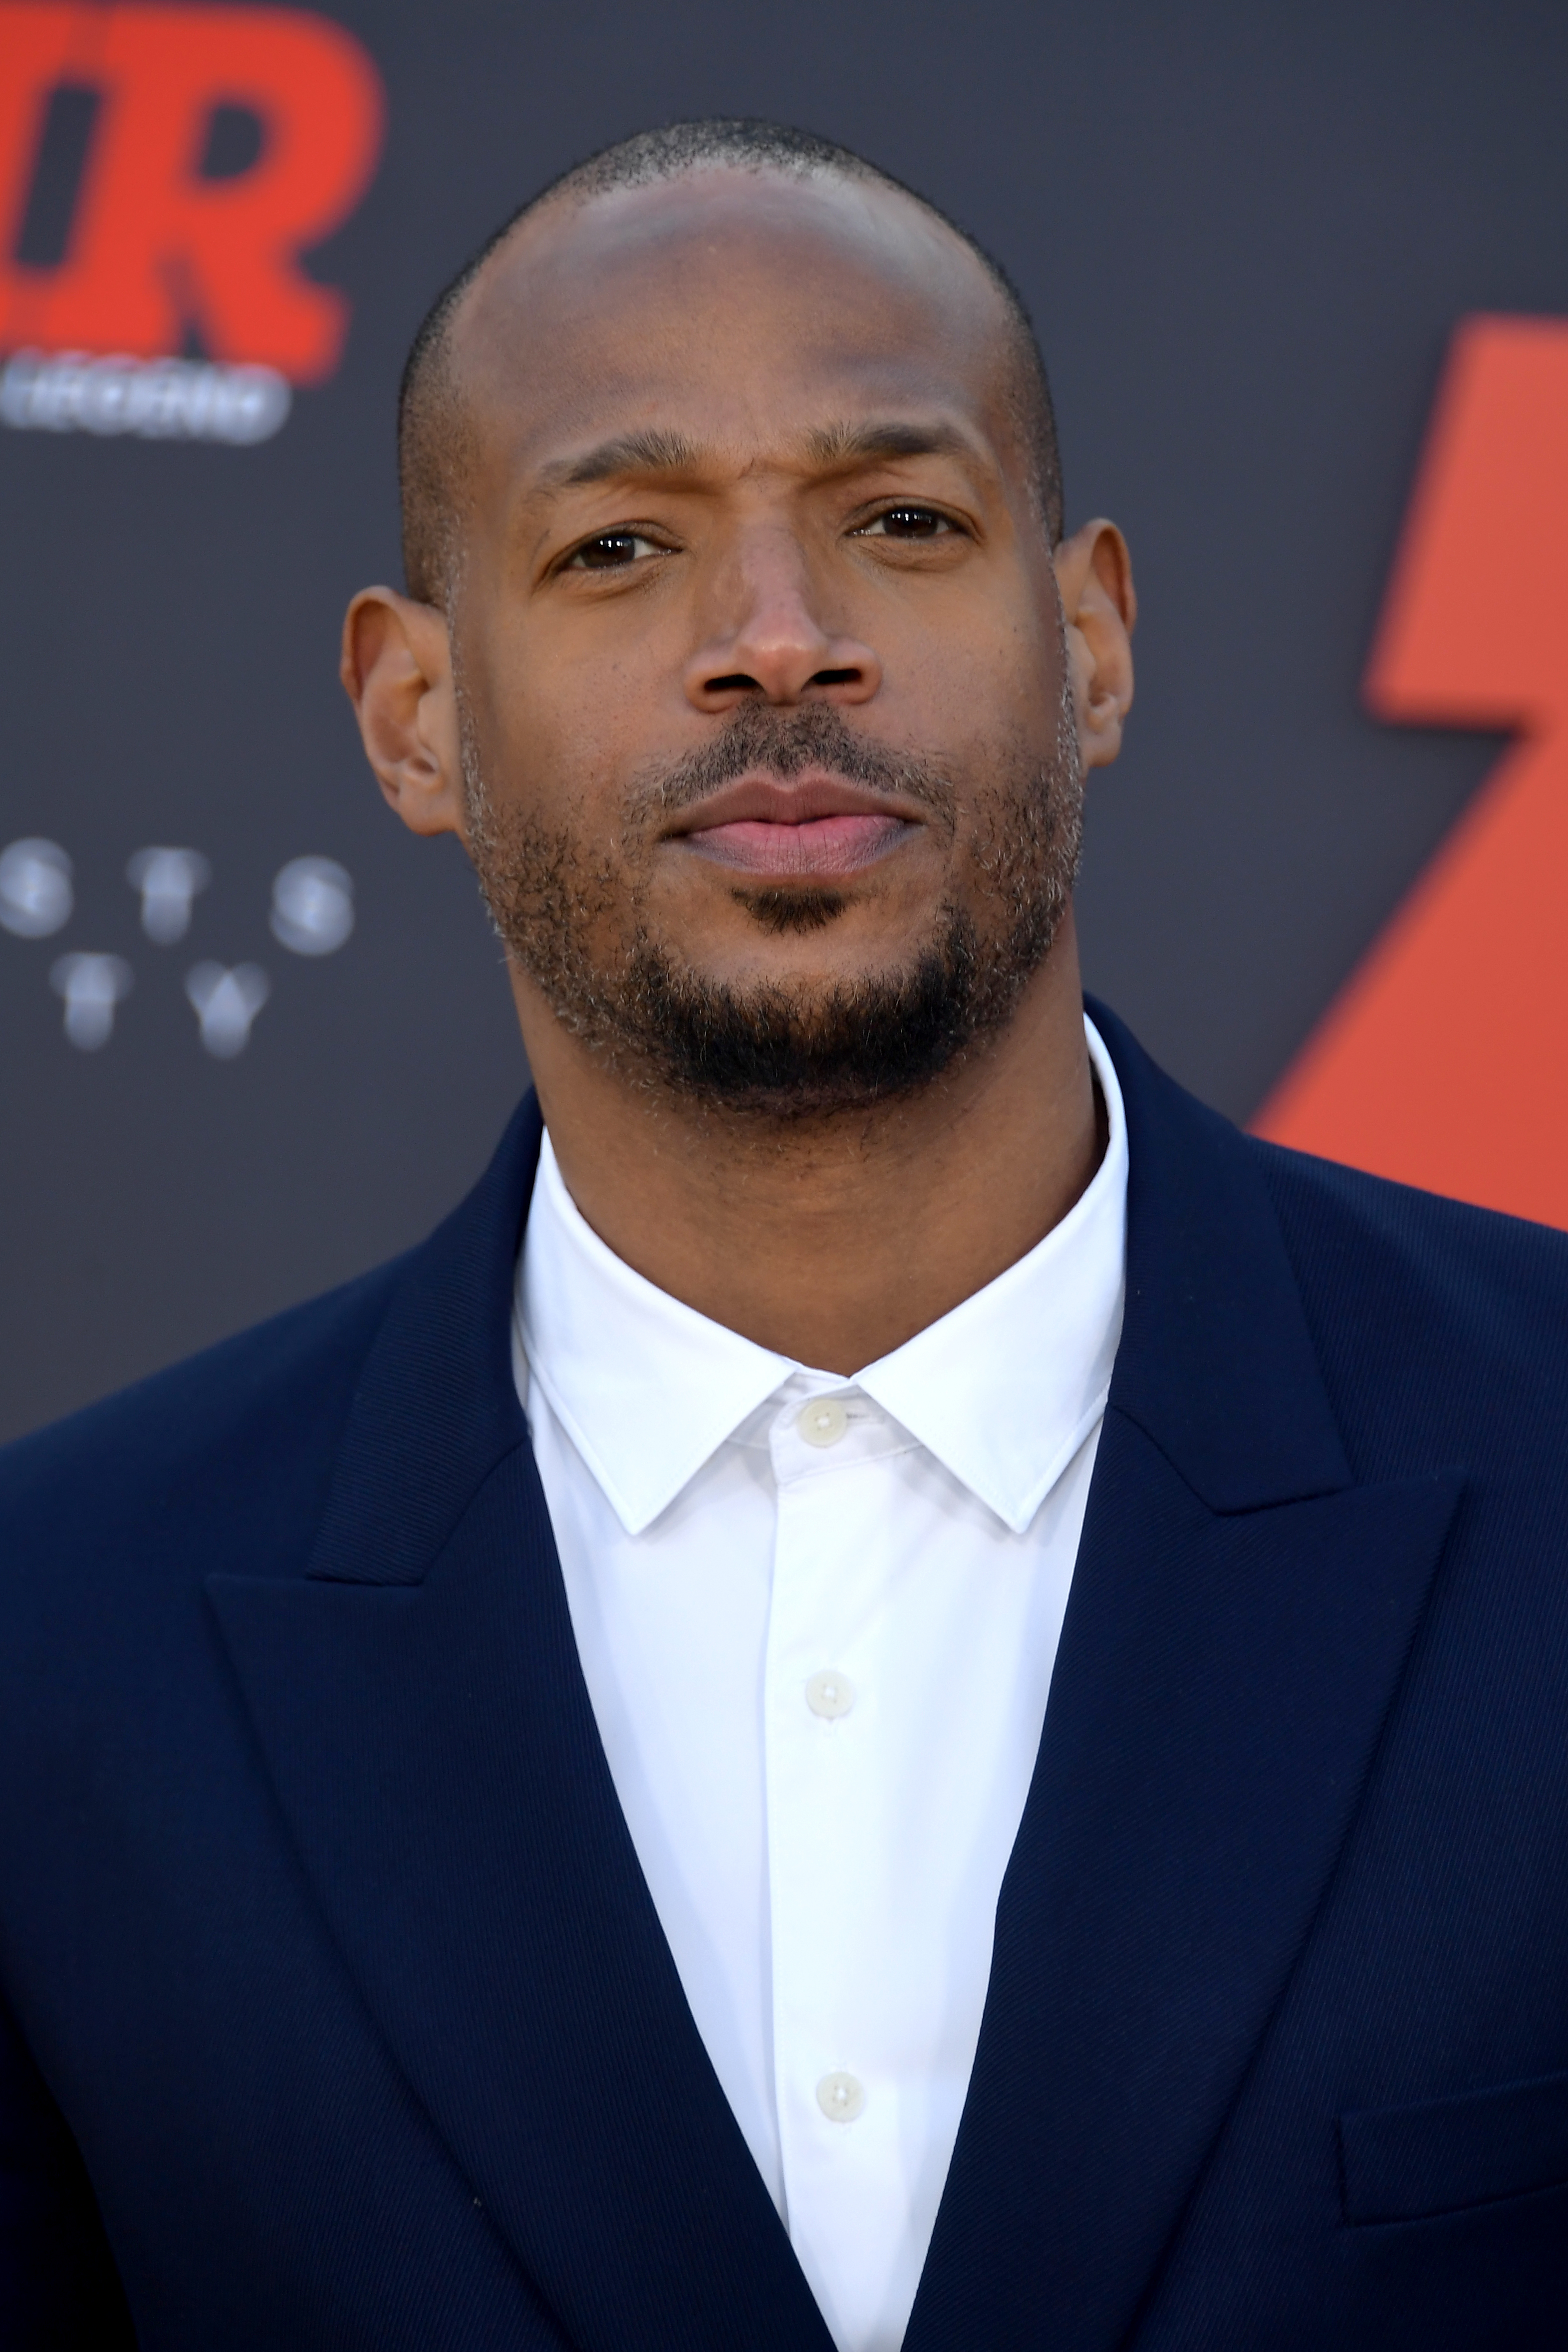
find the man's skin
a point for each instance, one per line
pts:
(770, 330)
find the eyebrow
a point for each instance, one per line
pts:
(650, 452)
(840, 446)
(854, 445)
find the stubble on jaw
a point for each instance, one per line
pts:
(573, 916)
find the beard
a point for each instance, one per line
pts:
(576, 921)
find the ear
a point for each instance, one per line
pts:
(1094, 577)
(397, 669)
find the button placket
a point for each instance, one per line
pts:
(829, 1578)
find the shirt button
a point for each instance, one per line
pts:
(841, 2098)
(822, 1421)
(830, 1694)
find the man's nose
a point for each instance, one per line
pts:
(773, 643)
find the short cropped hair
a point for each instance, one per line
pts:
(432, 440)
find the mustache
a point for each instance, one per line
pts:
(763, 739)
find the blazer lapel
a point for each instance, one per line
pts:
(424, 1717)
(1240, 1613)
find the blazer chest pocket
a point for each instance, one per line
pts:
(1407, 2164)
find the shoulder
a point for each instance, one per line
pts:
(1427, 1314)
(1501, 1276)
(226, 1462)
(241, 1436)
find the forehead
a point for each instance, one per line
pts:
(737, 307)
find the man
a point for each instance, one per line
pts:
(535, 1819)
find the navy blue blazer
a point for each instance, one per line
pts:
(341, 2016)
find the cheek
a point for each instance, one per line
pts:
(996, 660)
(1035, 661)
(548, 753)
(1005, 726)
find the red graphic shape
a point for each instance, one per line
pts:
(1445, 1061)
(156, 247)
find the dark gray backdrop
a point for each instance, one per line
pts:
(1246, 232)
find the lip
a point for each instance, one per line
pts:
(815, 825)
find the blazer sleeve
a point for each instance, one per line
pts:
(60, 2291)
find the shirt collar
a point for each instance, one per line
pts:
(1003, 1390)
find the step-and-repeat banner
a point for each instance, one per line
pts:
(1302, 276)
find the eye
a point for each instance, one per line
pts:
(612, 551)
(907, 522)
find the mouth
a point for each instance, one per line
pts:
(816, 827)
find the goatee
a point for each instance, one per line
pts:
(577, 923)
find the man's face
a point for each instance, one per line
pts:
(772, 778)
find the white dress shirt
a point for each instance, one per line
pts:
(817, 1619)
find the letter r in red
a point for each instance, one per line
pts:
(156, 248)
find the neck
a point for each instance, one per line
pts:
(833, 1241)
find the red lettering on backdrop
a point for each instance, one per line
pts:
(1445, 1061)
(156, 247)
